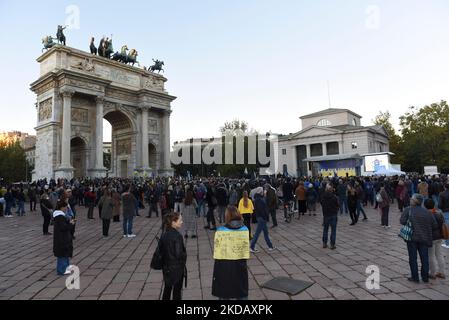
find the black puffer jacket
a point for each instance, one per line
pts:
(174, 257)
(423, 224)
(62, 236)
(260, 207)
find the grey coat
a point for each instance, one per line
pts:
(422, 223)
(107, 205)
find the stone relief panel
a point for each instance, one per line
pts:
(84, 65)
(152, 126)
(118, 76)
(124, 147)
(80, 115)
(154, 83)
(45, 110)
(81, 84)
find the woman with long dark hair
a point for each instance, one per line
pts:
(174, 257)
(188, 211)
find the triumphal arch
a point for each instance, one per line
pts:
(75, 92)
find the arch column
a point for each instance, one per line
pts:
(166, 168)
(65, 170)
(144, 138)
(99, 171)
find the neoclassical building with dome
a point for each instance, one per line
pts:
(332, 142)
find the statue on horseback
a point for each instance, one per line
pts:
(60, 34)
(157, 66)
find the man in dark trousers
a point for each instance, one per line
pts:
(330, 206)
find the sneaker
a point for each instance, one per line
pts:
(365, 219)
(333, 247)
(272, 249)
(67, 272)
(125, 236)
(253, 250)
(387, 227)
(324, 246)
(445, 246)
(131, 235)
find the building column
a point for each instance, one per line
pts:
(324, 147)
(166, 165)
(66, 170)
(145, 160)
(99, 171)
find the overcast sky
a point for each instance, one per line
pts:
(265, 62)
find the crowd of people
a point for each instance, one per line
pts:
(235, 204)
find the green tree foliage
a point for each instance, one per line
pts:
(425, 137)
(12, 162)
(384, 119)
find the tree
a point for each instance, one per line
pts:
(12, 162)
(425, 137)
(384, 119)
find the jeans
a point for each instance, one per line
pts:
(446, 218)
(343, 201)
(178, 206)
(201, 210)
(62, 263)
(221, 214)
(128, 225)
(21, 208)
(330, 222)
(360, 209)
(261, 226)
(413, 249)
(435, 199)
(8, 207)
(273, 216)
(177, 291)
(385, 214)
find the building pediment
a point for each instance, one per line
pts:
(314, 131)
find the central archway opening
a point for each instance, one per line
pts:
(117, 144)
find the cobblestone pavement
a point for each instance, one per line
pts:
(117, 268)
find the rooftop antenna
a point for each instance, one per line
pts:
(329, 93)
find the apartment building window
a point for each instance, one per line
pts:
(284, 152)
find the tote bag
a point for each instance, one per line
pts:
(407, 230)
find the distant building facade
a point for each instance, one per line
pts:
(332, 142)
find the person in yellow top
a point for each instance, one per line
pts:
(246, 209)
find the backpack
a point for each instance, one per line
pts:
(158, 260)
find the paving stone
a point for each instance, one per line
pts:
(118, 268)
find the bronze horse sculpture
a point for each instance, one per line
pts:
(157, 66)
(60, 35)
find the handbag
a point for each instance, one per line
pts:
(158, 260)
(406, 231)
(379, 197)
(445, 231)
